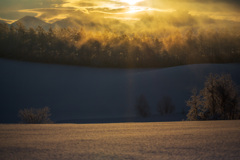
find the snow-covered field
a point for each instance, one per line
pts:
(213, 140)
(74, 92)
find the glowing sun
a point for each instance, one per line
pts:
(131, 2)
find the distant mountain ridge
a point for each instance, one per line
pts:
(67, 22)
(33, 22)
(72, 22)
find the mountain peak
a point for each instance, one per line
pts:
(30, 21)
(25, 17)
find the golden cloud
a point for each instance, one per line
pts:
(141, 15)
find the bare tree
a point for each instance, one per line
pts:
(142, 106)
(165, 105)
(35, 115)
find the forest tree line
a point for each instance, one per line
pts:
(112, 49)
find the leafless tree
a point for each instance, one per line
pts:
(142, 106)
(165, 105)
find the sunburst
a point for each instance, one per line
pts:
(131, 2)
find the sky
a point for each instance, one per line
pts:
(133, 10)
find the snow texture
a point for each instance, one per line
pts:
(74, 92)
(210, 140)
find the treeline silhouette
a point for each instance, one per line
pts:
(112, 49)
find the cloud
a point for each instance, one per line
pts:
(49, 14)
(7, 20)
(203, 5)
(27, 4)
(216, 9)
(9, 9)
(145, 15)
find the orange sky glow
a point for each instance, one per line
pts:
(53, 10)
(129, 16)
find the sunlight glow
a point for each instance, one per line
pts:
(135, 9)
(131, 2)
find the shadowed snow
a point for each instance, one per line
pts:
(74, 92)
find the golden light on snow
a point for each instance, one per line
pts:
(168, 140)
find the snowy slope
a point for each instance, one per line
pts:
(79, 92)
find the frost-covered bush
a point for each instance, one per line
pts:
(219, 99)
(37, 116)
(195, 105)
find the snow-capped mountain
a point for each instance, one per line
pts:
(29, 21)
(67, 22)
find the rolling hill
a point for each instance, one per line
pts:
(75, 93)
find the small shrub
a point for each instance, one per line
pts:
(35, 116)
